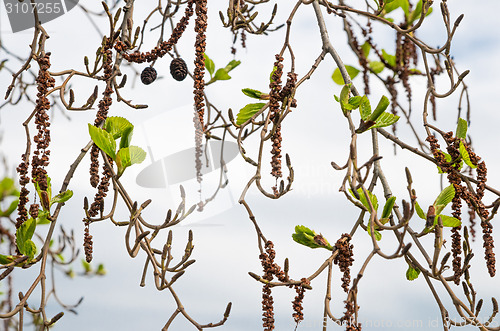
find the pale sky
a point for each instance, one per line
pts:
(314, 135)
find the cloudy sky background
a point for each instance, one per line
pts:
(314, 135)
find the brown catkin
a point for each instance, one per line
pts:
(165, 46)
(199, 71)
(344, 259)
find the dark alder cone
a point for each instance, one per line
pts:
(178, 69)
(148, 75)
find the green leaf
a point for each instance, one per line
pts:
(439, 209)
(209, 64)
(412, 273)
(461, 132)
(128, 156)
(126, 137)
(344, 97)
(381, 107)
(304, 229)
(62, 197)
(221, 74)
(389, 204)
(355, 101)
(307, 237)
(117, 125)
(247, 112)
(100, 270)
(24, 234)
(366, 48)
(447, 157)
(403, 4)
(43, 217)
(271, 75)
(384, 120)
(104, 140)
(445, 196)
(465, 156)
(337, 76)
(376, 66)
(6, 259)
(378, 235)
(231, 65)
(252, 93)
(86, 266)
(420, 212)
(390, 59)
(8, 188)
(10, 210)
(49, 190)
(365, 108)
(29, 249)
(415, 15)
(449, 221)
(362, 198)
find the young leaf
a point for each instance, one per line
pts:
(381, 107)
(126, 137)
(465, 155)
(29, 249)
(10, 210)
(449, 221)
(439, 208)
(355, 101)
(8, 188)
(376, 66)
(420, 212)
(44, 194)
(104, 140)
(337, 76)
(447, 157)
(390, 59)
(415, 14)
(62, 197)
(388, 207)
(221, 74)
(403, 4)
(209, 64)
(43, 217)
(365, 108)
(271, 75)
(412, 273)
(100, 270)
(24, 234)
(307, 237)
(362, 198)
(116, 125)
(252, 93)
(247, 112)
(378, 235)
(385, 119)
(6, 259)
(128, 156)
(86, 266)
(344, 97)
(231, 65)
(366, 48)
(445, 196)
(461, 132)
